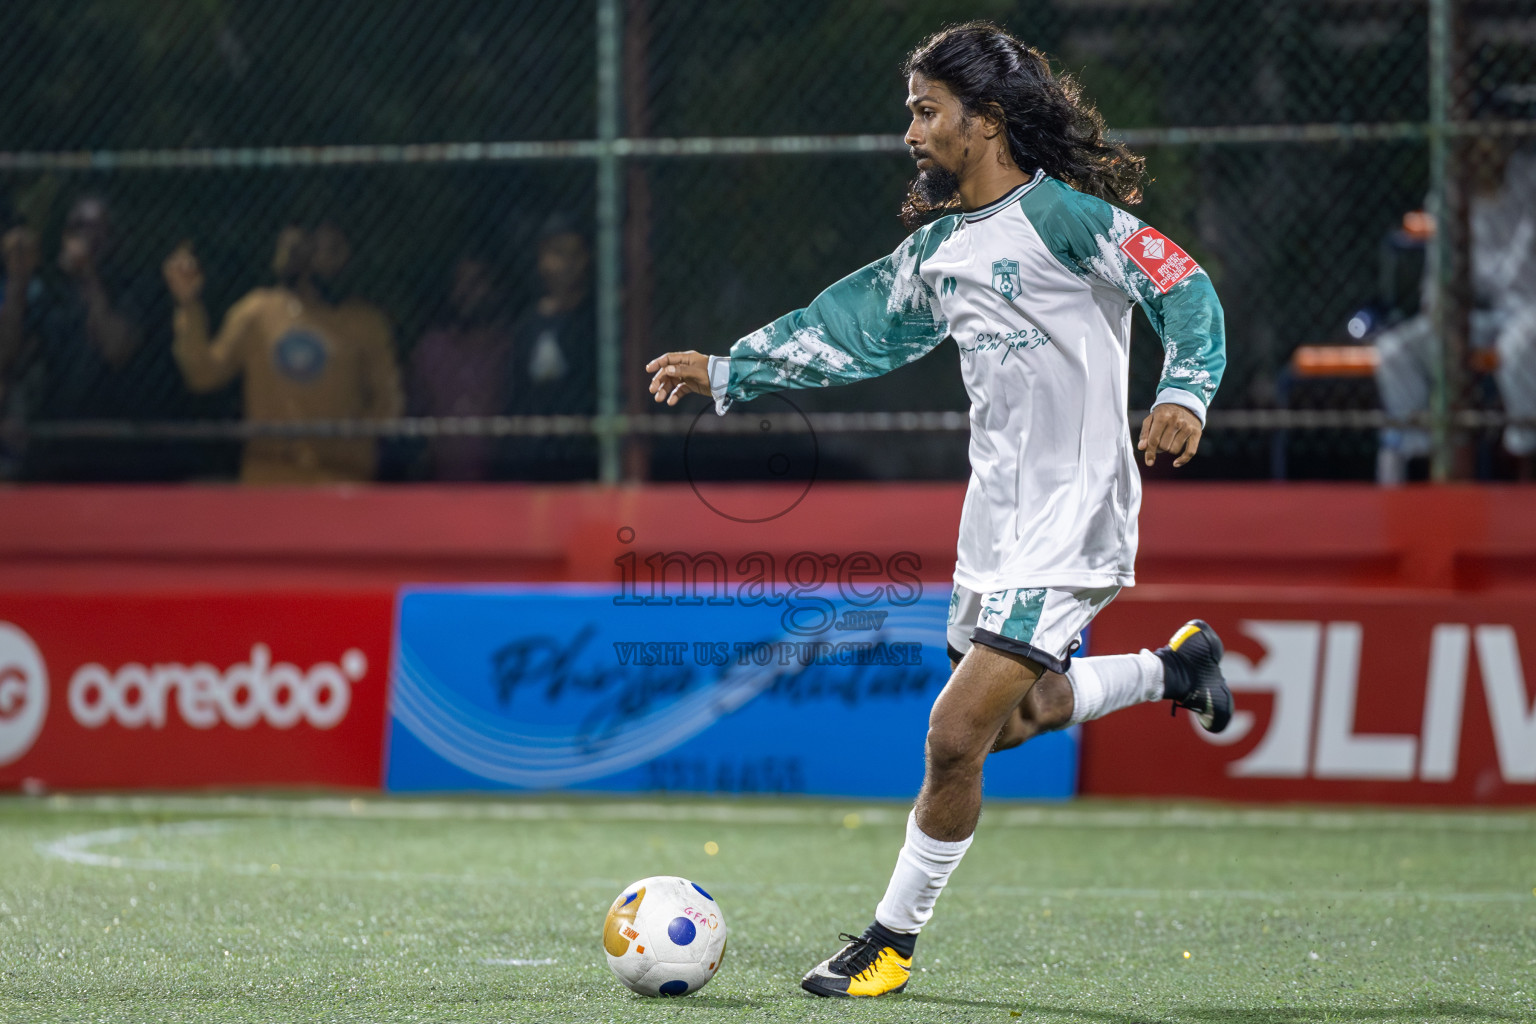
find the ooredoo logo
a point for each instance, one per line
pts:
(23, 693)
(281, 695)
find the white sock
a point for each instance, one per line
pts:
(922, 869)
(1114, 681)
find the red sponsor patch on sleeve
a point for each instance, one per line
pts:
(1161, 260)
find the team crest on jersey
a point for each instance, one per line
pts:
(1157, 257)
(1005, 278)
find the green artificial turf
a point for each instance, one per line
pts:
(303, 909)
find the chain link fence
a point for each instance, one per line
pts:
(440, 241)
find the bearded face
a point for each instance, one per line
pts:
(935, 186)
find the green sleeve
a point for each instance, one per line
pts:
(869, 323)
(1088, 236)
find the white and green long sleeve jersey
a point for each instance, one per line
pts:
(1037, 291)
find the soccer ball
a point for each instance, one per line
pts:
(664, 936)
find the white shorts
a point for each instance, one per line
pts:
(1044, 625)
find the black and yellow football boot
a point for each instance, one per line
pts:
(867, 966)
(1192, 675)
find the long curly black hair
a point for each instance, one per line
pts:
(1049, 124)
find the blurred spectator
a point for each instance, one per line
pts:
(1502, 223)
(555, 357)
(304, 351)
(462, 367)
(1516, 373)
(86, 345)
(20, 315)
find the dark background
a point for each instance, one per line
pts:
(1291, 231)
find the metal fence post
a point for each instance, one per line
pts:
(1439, 254)
(609, 229)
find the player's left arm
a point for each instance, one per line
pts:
(1189, 319)
(1099, 241)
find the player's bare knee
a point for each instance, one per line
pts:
(954, 751)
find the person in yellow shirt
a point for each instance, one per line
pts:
(304, 354)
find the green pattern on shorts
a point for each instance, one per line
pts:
(1023, 608)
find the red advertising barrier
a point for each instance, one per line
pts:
(219, 539)
(1366, 697)
(132, 691)
(1377, 652)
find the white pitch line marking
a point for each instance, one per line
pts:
(81, 848)
(518, 961)
(1067, 817)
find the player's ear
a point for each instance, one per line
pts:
(993, 122)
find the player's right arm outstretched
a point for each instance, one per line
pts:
(869, 323)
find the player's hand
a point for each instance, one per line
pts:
(1170, 428)
(183, 275)
(677, 374)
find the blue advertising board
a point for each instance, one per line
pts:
(592, 688)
